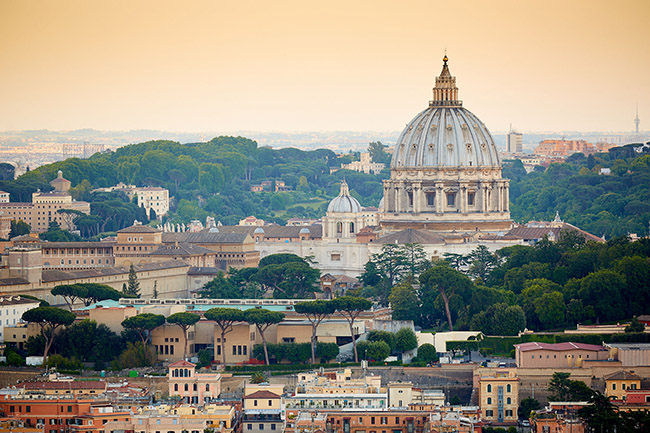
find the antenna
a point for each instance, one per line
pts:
(636, 119)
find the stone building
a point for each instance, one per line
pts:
(45, 207)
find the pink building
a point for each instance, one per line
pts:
(559, 355)
(193, 387)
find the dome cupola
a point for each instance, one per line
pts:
(344, 202)
(445, 134)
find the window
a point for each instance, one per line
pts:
(254, 402)
(28, 409)
(489, 388)
(508, 400)
(508, 388)
(613, 387)
(351, 227)
(249, 427)
(509, 413)
(335, 257)
(470, 199)
(207, 387)
(175, 387)
(234, 350)
(270, 402)
(431, 198)
(194, 388)
(451, 199)
(410, 196)
(489, 412)
(489, 400)
(187, 388)
(261, 426)
(272, 426)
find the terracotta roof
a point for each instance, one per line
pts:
(44, 385)
(411, 236)
(528, 232)
(262, 394)
(182, 363)
(622, 375)
(139, 229)
(276, 231)
(559, 347)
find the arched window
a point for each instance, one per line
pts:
(195, 387)
(489, 388)
(489, 400)
(175, 387)
(509, 400)
(187, 388)
(207, 387)
(508, 388)
(339, 227)
(351, 227)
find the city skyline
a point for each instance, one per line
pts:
(212, 66)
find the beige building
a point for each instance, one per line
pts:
(560, 355)
(190, 386)
(77, 255)
(364, 165)
(262, 410)
(149, 197)
(45, 207)
(498, 391)
(630, 354)
(11, 311)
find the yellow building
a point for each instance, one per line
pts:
(498, 394)
(617, 384)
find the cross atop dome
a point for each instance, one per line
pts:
(445, 93)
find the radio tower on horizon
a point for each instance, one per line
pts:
(636, 119)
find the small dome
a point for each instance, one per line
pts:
(304, 231)
(259, 231)
(381, 204)
(344, 202)
(213, 230)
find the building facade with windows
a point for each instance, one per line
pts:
(190, 386)
(11, 311)
(498, 392)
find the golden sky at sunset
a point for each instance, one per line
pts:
(328, 65)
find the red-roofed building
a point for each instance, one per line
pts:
(559, 355)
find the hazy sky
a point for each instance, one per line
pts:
(328, 65)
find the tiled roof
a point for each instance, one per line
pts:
(204, 238)
(139, 229)
(529, 233)
(411, 236)
(182, 363)
(12, 281)
(44, 385)
(559, 347)
(16, 300)
(276, 231)
(261, 395)
(204, 271)
(101, 244)
(55, 275)
(622, 375)
(181, 250)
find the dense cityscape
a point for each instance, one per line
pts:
(442, 278)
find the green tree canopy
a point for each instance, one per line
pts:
(49, 319)
(224, 318)
(351, 308)
(316, 312)
(184, 320)
(143, 324)
(263, 319)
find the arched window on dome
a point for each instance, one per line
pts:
(339, 228)
(351, 227)
(410, 195)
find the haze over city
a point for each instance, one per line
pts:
(296, 66)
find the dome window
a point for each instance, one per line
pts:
(469, 147)
(351, 227)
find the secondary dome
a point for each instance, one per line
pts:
(344, 202)
(445, 134)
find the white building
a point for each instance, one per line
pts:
(11, 311)
(149, 197)
(364, 165)
(514, 142)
